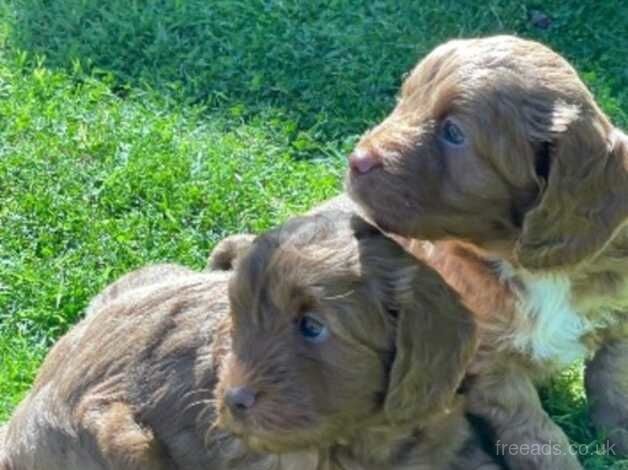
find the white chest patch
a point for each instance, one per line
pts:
(548, 328)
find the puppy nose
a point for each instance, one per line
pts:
(362, 161)
(240, 399)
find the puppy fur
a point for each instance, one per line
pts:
(527, 218)
(141, 383)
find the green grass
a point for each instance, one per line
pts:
(133, 133)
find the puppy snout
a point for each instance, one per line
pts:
(240, 399)
(362, 161)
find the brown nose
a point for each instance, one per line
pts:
(240, 399)
(362, 161)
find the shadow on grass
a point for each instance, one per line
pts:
(333, 64)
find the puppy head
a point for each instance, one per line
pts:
(336, 328)
(496, 141)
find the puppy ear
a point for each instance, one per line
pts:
(229, 252)
(435, 340)
(585, 199)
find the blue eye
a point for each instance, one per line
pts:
(452, 133)
(312, 329)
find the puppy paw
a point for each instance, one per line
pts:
(606, 383)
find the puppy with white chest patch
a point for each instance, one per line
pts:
(327, 348)
(498, 154)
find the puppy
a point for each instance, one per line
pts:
(329, 347)
(498, 153)
(121, 389)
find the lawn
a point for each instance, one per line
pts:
(132, 133)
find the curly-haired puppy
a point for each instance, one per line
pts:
(328, 348)
(498, 153)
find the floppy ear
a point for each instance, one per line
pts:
(229, 252)
(585, 200)
(435, 341)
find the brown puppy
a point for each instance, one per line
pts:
(497, 143)
(329, 348)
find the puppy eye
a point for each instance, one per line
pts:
(313, 329)
(452, 133)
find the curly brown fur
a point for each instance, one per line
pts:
(229, 252)
(3, 463)
(498, 153)
(142, 382)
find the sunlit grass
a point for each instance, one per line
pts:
(133, 132)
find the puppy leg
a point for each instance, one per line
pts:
(477, 459)
(474, 455)
(123, 443)
(606, 382)
(525, 436)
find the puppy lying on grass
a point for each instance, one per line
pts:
(328, 348)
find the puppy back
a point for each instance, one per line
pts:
(137, 347)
